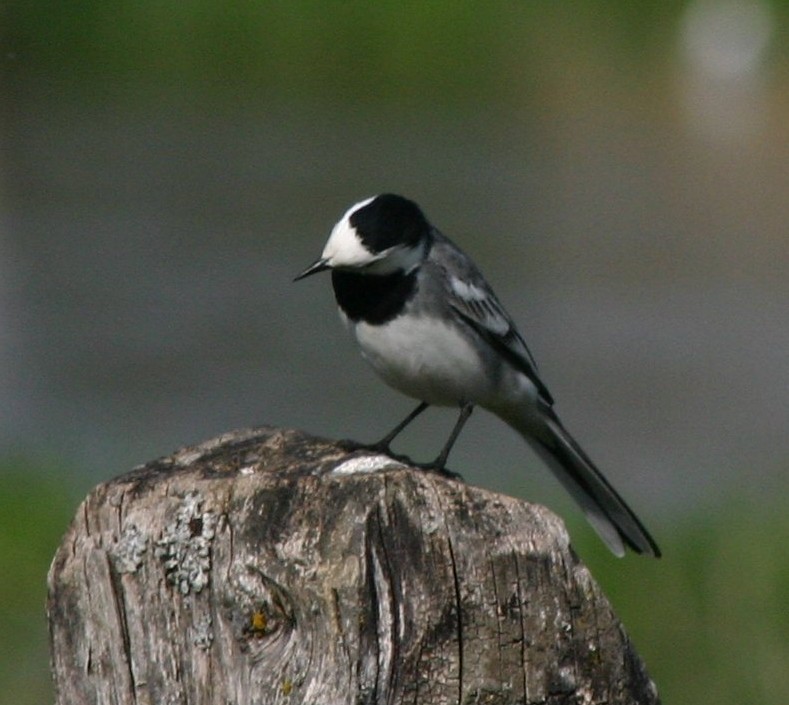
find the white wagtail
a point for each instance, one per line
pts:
(432, 328)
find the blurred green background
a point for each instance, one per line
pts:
(618, 170)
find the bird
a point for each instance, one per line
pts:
(430, 325)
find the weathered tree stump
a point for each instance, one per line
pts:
(267, 566)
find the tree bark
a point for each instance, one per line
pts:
(268, 566)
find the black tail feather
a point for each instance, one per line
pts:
(605, 509)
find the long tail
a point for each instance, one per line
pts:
(605, 510)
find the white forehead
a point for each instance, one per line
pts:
(344, 247)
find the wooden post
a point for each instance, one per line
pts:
(267, 566)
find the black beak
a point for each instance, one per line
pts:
(317, 266)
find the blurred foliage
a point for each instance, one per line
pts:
(448, 52)
(35, 508)
(709, 618)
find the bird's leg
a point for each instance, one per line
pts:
(441, 460)
(382, 446)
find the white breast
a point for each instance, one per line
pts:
(426, 359)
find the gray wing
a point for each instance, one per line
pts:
(472, 299)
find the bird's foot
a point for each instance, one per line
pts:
(349, 445)
(438, 465)
(380, 447)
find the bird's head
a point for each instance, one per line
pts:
(377, 236)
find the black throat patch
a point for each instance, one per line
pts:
(374, 299)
